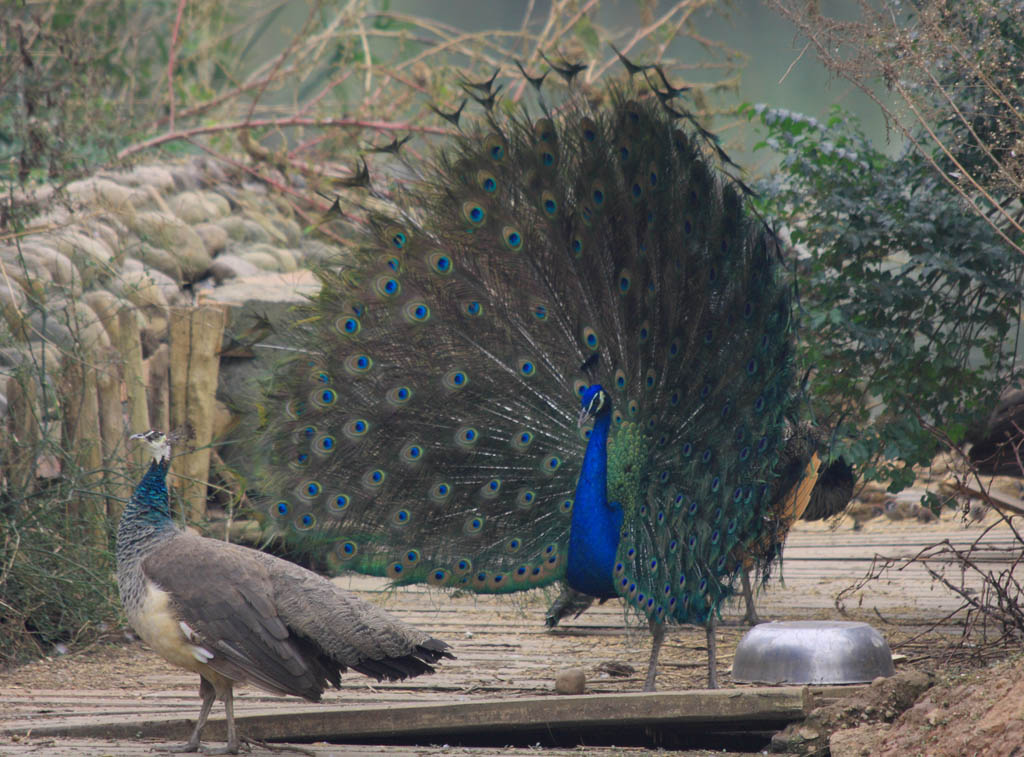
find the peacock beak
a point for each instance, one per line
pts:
(584, 417)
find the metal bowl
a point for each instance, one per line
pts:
(811, 651)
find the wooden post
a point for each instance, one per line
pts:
(195, 336)
(158, 365)
(130, 347)
(111, 417)
(22, 443)
(82, 431)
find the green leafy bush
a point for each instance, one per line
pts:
(909, 299)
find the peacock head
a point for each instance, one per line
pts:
(158, 443)
(594, 402)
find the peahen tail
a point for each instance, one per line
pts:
(428, 432)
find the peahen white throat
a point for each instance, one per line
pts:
(592, 259)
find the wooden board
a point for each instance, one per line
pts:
(759, 708)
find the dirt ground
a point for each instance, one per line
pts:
(978, 713)
(936, 706)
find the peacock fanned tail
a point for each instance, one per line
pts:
(429, 431)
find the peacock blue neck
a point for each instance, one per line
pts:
(596, 522)
(149, 502)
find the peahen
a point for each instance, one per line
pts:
(799, 493)
(568, 355)
(234, 615)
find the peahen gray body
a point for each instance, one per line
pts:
(235, 615)
(567, 357)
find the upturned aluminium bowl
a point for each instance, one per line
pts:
(812, 651)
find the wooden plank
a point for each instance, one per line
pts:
(757, 708)
(34, 747)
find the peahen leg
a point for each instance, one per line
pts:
(229, 712)
(208, 694)
(658, 634)
(710, 628)
(748, 596)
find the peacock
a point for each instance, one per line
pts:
(566, 353)
(233, 614)
(801, 492)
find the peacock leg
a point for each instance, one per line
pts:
(748, 597)
(208, 694)
(658, 634)
(710, 628)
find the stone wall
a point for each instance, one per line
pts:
(115, 261)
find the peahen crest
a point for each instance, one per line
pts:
(429, 431)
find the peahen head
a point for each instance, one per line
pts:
(158, 443)
(594, 402)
